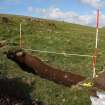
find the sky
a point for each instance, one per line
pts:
(73, 11)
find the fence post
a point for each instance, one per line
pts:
(96, 44)
(21, 42)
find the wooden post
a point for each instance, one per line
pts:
(94, 62)
(97, 20)
(21, 37)
(96, 45)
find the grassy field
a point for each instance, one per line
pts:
(52, 36)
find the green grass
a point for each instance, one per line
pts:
(57, 37)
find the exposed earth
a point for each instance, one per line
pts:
(12, 92)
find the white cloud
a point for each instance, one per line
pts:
(30, 9)
(102, 19)
(69, 16)
(93, 3)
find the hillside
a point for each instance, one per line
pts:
(54, 36)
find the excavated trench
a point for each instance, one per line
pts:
(34, 65)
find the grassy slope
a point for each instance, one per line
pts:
(59, 37)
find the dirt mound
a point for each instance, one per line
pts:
(13, 92)
(100, 81)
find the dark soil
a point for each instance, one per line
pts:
(14, 92)
(99, 82)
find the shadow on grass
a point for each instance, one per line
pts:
(14, 91)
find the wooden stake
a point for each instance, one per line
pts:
(96, 45)
(20, 37)
(97, 20)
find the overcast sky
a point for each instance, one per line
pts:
(73, 11)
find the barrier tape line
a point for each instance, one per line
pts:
(65, 54)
